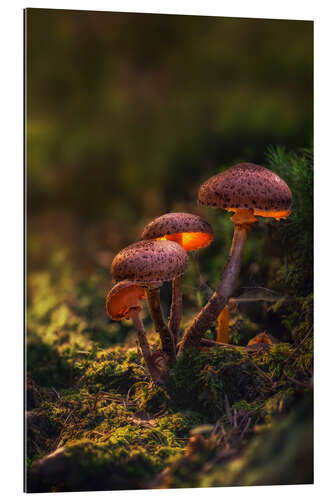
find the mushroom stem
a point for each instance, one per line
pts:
(145, 348)
(219, 299)
(168, 346)
(176, 307)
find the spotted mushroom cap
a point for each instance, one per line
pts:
(189, 230)
(150, 261)
(248, 186)
(122, 297)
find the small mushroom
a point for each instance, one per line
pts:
(122, 298)
(123, 301)
(263, 338)
(191, 232)
(223, 321)
(150, 263)
(248, 190)
(223, 325)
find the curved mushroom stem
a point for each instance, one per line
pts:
(168, 346)
(219, 299)
(176, 307)
(223, 325)
(145, 348)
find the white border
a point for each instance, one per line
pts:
(284, 9)
(12, 241)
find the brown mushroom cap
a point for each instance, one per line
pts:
(189, 230)
(122, 297)
(248, 186)
(150, 261)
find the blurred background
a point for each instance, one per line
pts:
(127, 114)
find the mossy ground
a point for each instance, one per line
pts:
(227, 416)
(108, 427)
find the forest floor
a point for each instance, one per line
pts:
(227, 416)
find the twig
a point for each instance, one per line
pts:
(297, 382)
(56, 392)
(212, 343)
(299, 345)
(245, 429)
(57, 441)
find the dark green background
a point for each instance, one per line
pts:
(128, 113)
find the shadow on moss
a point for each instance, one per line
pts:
(201, 381)
(278, 453)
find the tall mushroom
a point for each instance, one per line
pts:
(149, 263)
(123, 301)
(247, 190)
(191, 232)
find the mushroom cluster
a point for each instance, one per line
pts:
(191, 232)
(140, 269)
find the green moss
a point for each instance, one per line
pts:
(46, 366)
(273, 361)
(112, 418)
(202, 380)
(296, 233)
(279, 454)
(86, 465)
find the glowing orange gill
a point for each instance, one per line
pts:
(265, 213)
(119, 305)
(190, 241)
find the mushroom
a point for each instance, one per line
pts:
(223, 325)
(123, 298)
(122, 301)
(261, 339)
(191, 232)
(247, 190)
(150, 263)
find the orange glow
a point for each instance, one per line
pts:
(261, 338)
(119, 305)
(223, 326)
(189, 241)
(265, 213)
(275, 215)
